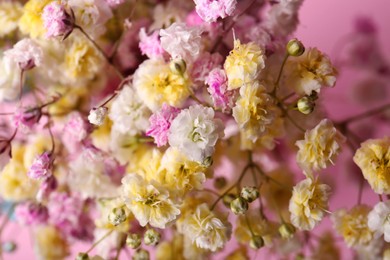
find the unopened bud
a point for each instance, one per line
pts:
(287, 230)
(249, 194)
(117, 216)
(295, 48)
(305, 105)
(151, 237)
(239, 206)
(8, 247)
(178, 66)
(97, 115)
(82, 256)
(220, 182)
(141, 254)
(256, 242)
(228, 198)
(207, 162)
(133, 240)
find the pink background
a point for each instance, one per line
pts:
(323, 23)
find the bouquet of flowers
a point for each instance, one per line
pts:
(181, 129)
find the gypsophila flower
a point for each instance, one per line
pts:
(41, 167)
(56, 20)
(308, 204)
(373, 158)
(9, 80)
(182, 41)
(160, 122)
(320, 147)
(211, 10)
(195, 132)
(150, 45)
(47, 186)
(205, 229)
(27, 117)
(76, 127)
(222, 98)
(10, 12)
(379, 219)
(97, 115)
(26, 53)
(202, 66)
(30, 213)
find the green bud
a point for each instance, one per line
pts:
(239, 206)
(133, 240)
(249, 194)
(178, 66)
(141, 254)
(207, 162)
(305, 105)
(117, 216)
(295, 48)
(287, 230)
(9, 246)
(151, 237)
(227, 199)
(256, 242)
(82, 256)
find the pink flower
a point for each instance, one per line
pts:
(202, 66)
(30, 213)
(47, 187)
(150, 45)
(211, 10)
(41, 167)
(160, 122)
(26, 53)
(56, 20)
(76, 128)
(222, 98)
(27, 117)
(114, 3)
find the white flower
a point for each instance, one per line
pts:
(9, 80)
(182, 41)
(26, 53)
(195, 132)
(97, 115)
(205, 229)
(128, 113)
(379, 219)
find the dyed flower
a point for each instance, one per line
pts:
(150, 45)
(182, 41)
(50, 244)
(321, 146)
(156, 84)
(373, 158)
(97, 115)
(148, 201)
(211, 10)
(56, 20)
(76, 129)
(379, 220)
(195, 132)
(26, 53)
(128, 113)
(30, 213)
(31, 21)
(47, 186)
(41, 167)
(353, 225)
(114, 3)
(160, 122)
(310, 71)
(202, 66)
(205, 229)
(10, 13)
(308, 204)
(9, 80)
(222, 98)
(244, 63)
(27, 117)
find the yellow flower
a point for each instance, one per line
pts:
(82, 60)
(260, 227)
(15, 185)
(308, 203)
(171, 250)
(326, 248)
(157, 84)
(31, 22)
(373, 158)
(149, 202)
(309, 72)
(321, 146)
(257, 116)
(352, 225)
(244, 63)
(49, 244)
(10, 13)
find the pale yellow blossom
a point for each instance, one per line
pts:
(31, 22)
(50, 244)
(10, 13)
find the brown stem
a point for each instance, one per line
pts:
(364, 114)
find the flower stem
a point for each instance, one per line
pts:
(276, 84)
(100, 240)
(364, 114)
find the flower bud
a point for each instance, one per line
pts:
(227, 199)
(151, 237)
(295, 48)
(97, 115)
(249, 194)
(220, 182)
(305, 105)
(287, 230)
(256, 242)
(207, 162)
(239, 206)
(141, 254)
(82, 256)
(8, 247)
(117, 216)
(300, 256)
(133, 240)
(178, 66)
